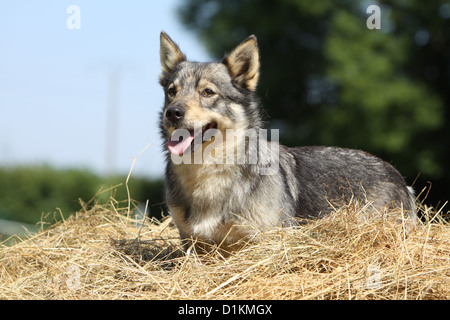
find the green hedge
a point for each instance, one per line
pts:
(28, 193)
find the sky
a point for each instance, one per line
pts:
(62, 77)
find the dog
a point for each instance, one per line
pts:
(224, 197)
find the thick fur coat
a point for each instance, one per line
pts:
(217, 199)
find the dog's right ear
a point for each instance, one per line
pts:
(169, 53)
(243, 64)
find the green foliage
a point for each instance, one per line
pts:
(327, 79)
(375, 98)
(29, 193)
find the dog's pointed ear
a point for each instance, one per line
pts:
(243, 64)
(169, 53)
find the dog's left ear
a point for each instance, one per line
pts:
(243, 64)
(169, 53)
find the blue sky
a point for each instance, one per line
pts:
(54, 82)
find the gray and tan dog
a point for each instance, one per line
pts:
(218, 195)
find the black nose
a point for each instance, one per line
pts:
(175, 114)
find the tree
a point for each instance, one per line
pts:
(328, 79)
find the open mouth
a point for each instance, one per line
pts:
(179, 144)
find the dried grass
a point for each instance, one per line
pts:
(99, 253)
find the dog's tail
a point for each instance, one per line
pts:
(411, 216)
(412, 196)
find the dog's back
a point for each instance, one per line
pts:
(330, 177)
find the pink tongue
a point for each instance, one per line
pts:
(179, 147)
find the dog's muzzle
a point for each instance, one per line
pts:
(184, 140)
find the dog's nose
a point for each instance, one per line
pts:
(175, 114)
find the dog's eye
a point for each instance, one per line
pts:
(208, 92)
(171, 91)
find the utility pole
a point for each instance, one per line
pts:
(112, 121)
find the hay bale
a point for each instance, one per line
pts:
(100, 254)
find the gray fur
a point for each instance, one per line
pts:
(207, 201)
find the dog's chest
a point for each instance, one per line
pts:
(212, 195)
(207, 185)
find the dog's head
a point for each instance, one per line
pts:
(201, 97)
